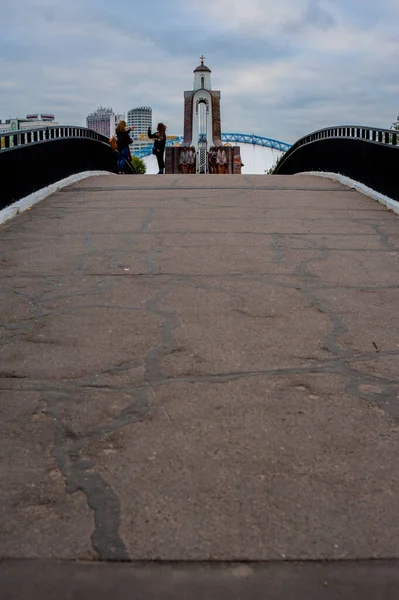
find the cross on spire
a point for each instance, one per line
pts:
(202, 58)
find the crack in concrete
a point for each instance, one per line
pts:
(153, 359)
(80, 478)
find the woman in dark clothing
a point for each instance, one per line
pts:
(124, 141)
(159, 138)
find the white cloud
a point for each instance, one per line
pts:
(284, 67)
(264, 17)
(253, 15)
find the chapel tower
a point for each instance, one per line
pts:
(202, 150)
(202, 128)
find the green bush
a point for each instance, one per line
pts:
(139, 165)
(271, 171)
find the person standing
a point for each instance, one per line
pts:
(123, 142)
(159, 138)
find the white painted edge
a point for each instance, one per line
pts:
(9, 212)
(360, 187)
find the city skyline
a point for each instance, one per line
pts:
(283, 69)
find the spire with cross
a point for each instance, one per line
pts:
(202, 76)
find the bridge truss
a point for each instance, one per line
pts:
(232, 138)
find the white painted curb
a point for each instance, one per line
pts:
(360, 187)
(24, 203)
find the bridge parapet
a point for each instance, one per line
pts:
(35, 158)
(368, 155)
(359, 132)
(25, 137)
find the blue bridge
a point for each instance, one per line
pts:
(232, 138)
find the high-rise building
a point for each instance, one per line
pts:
(141, 119)
(103, 121)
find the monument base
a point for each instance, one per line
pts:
(222, 160)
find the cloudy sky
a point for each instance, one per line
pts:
(284, 67)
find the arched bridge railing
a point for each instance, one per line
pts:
(235, 138)
(368, 155)
(23, 137)
(35, 158)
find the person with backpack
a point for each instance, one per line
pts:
(159, 138)
(123, 141)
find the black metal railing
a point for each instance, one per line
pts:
(34, 158)
(387, 137)
(369, 155)
(371, 134)
(24, 137)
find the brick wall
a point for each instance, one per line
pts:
(217, 128)
(188, 118)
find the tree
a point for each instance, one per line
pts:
(139, 165)
(395, 125)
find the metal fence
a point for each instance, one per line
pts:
(371, 134)
(34, 158)
(365, 154)
(23, 137)
(355, 132)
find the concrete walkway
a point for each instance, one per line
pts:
(200, 369)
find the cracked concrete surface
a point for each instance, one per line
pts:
(200, 368)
